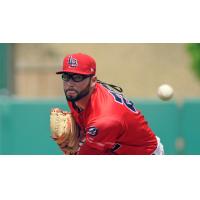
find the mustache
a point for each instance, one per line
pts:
(70, 90)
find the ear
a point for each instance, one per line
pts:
(93, 81)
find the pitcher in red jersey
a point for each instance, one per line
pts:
(109, 123)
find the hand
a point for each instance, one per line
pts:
(62, 143)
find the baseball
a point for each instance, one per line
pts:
(165, 92)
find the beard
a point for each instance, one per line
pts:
(79, 95)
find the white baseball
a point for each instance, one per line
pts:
(165, 92)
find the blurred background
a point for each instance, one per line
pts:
(29, 88)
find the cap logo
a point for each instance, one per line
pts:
(72, 62)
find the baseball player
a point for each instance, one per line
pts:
(109, 124)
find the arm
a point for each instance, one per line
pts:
(101, 137)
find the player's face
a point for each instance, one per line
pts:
(76, 86)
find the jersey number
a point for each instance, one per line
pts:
(120, 99)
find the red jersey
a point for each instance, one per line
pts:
(110, 124)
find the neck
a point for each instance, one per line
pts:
(82, 103)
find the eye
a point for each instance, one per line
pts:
(78, 77)
(65, 77)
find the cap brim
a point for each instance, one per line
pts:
(60, 72)
(73, 71)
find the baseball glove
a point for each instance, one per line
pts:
(64, 130)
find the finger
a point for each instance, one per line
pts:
(64, 144)
(54, 136)
(62, 139)
(65, 151)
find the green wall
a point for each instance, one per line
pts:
(190, 124)
(5, 67)
(24, 125)
(163, 118)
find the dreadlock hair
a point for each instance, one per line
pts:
(109, 86)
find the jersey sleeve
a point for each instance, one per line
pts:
(101, 136)
(109, 136)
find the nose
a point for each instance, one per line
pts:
(69, 84)
(70, 81)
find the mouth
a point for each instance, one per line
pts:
(71, 92)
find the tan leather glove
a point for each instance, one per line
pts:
(64, 130)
